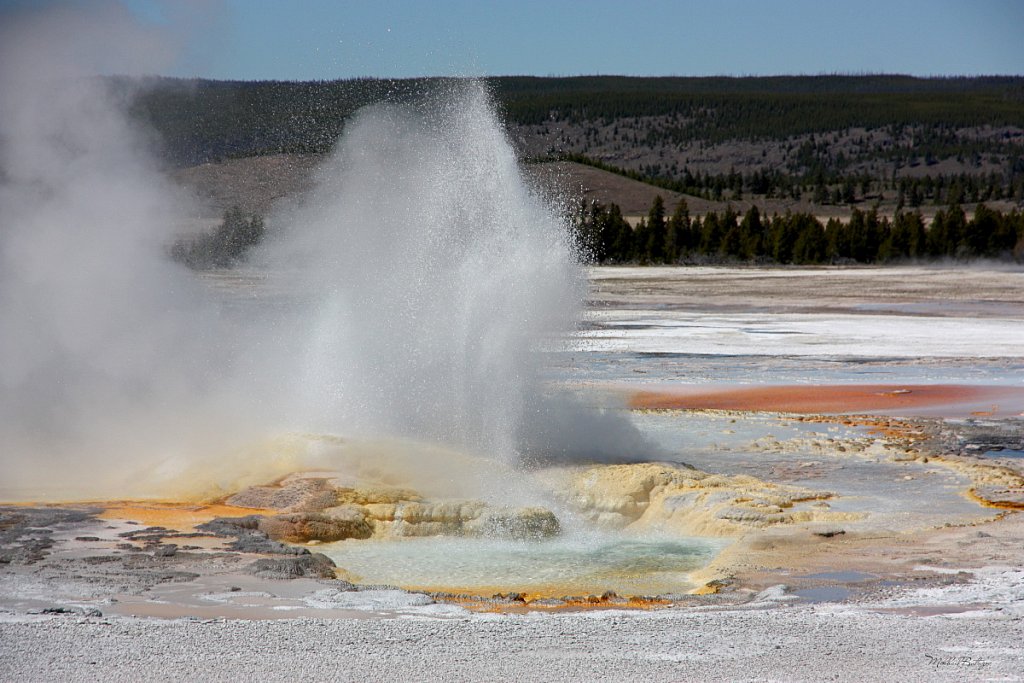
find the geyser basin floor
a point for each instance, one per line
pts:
(566, 566)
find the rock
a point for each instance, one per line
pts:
(753, 516)
(87, 538)
(304, 527)
(712, 587)
(515, 523)
(623, 492)
(376, 495)
(175, 577)
(548, 602)
(154, 531)
(314, 565)
(690, 501)
(415, 518)
(26, 533)
(26, 552)
(76, 611)
(259, 542)
(229, 526)
(346, 513)
(831, 533)
(248, 537)
(290, 495)
(167, 550)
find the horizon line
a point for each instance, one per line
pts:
(833, 74)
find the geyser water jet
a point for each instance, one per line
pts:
(439, 274)
(440, 277)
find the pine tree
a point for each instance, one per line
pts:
(679, 227)
(710, 234)
(752, 234)
(732, 238)
(657, 238)
(810, 245)
(783, 234)
(641, 243)
(621, 236)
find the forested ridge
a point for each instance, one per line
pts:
(201, 120)
(934, 140)
(768, 107)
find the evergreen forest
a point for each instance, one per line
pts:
(796, 237)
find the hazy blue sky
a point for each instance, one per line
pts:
(313, 39)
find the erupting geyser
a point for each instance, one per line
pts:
(392, 332)
(435, 273)
(417, 283)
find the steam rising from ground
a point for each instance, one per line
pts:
(104, 344)
(421, 280)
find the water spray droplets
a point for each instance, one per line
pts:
(449, 268)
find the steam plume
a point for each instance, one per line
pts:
(419, 283)
(105, 345)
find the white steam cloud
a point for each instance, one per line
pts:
(106, 348)
(410, 295)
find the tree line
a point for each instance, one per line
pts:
(795, 237)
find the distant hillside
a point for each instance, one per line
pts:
(829, 140)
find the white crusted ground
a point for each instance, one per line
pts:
(806, 643)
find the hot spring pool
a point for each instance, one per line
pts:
(570, 565)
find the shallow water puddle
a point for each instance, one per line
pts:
(581, 565)
(1004, 453)
(846, 576)
(823, 593)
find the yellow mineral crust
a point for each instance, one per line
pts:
(662, 496)
(992, 485)
(690, 502)
(306, 507)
